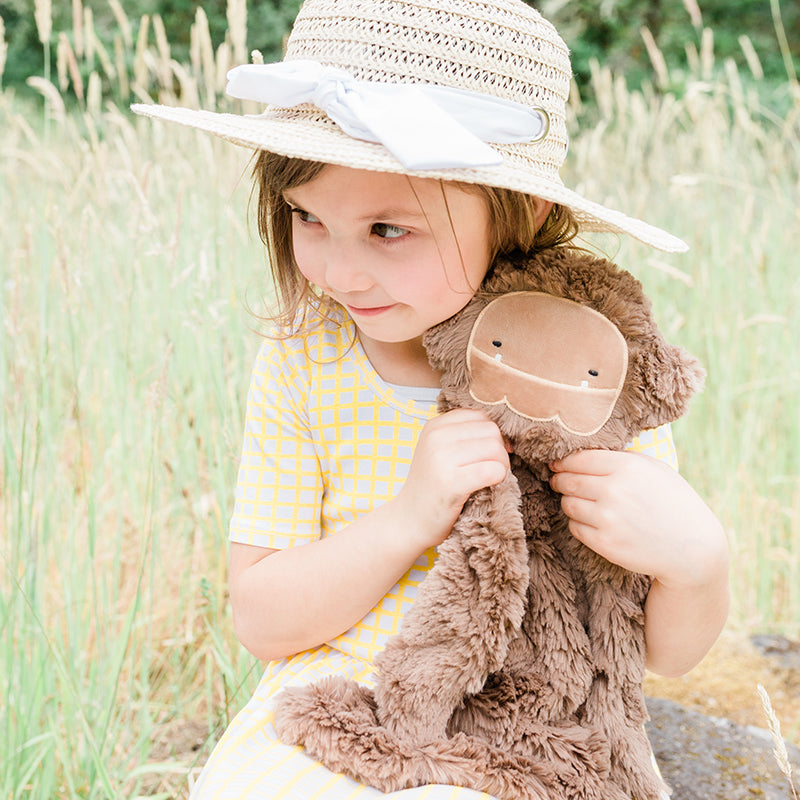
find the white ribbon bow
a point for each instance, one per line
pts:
(424, 126)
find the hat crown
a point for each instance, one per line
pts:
(500, 48)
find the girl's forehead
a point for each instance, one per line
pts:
(358, 193)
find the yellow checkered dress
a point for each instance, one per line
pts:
(326, 439)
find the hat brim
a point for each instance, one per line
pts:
(306, 133)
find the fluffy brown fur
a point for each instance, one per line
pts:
(519, 669)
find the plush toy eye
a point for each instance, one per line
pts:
(497, 343)
(594, 373)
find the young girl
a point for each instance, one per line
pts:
(404, 147)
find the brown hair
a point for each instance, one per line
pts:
(512, 216)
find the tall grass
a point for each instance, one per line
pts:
(722, 170)
(126, 262)
(126, 266)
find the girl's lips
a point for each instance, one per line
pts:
(372, 311)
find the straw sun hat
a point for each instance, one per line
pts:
(467, 90)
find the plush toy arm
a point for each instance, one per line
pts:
(662, 379)
(468, 609)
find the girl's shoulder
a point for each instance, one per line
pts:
(296, 359)
(317, 335)
(319, 361)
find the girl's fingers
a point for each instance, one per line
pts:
(583, 533)
(458, 453)
(460, 425)
(579, 511)
(464, 437)
(487, 448)
(589, 462)
(572, 484)
(485, 473)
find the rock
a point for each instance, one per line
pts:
(784, 653)
(707, 758)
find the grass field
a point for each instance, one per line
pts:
(127, 273)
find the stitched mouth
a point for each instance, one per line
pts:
(579, 409)
(536, 380)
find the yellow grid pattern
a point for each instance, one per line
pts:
(325, 439)
(657, 443)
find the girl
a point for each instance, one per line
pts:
(404, 147)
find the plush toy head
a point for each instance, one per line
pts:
(562, 352)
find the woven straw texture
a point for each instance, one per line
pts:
(501, 48)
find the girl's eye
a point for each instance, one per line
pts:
(386, 231)
(304, 216)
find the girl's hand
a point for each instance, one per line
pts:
(639, 513)
(286, 601)
(458, 453)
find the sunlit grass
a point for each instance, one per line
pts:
(126, 352)
(723, 172)
(126, 266)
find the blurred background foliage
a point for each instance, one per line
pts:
(268, 22)
(755, 34)
(610, 31)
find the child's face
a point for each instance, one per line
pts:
(400, 254)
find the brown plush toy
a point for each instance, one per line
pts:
(519, 669)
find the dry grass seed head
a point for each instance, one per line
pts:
(780, 751)
(77, 26)
(89, 35)
(236, 12)
(43, 15)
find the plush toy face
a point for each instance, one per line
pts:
(547, 358)
(562, 352)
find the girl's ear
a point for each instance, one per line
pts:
(543, 209)
(662, 379)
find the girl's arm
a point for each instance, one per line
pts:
(641, 514)
(285, 601)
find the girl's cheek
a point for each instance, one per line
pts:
(308, 274)
(305, 259)
(410, 282)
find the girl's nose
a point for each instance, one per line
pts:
(345, 272)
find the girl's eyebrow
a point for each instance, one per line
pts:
(390, 212)
(287, 198)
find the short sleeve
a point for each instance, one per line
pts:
(279, 487)
(657, 443)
